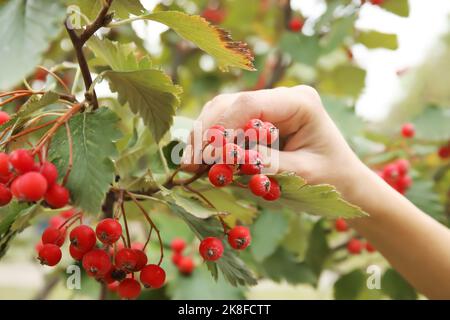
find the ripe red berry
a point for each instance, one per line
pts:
(211, 248)
(220, 175)
(296, 24)
(176, 258)
(390, 171)
(49, 171)
(402, 166)
(377, 2)
(82, 237)
(126, 259)
(50, 254)
(137, 246)
(129, 289)
(21, 160)
(75, 253)
(239, 237)
(217, 136)
(403, 183)
(259, 184)
(152, 276)
(38, 246)
(271, 133)
(274, 191)
(56, 221)
(4, 165)
(408, 130)
(253, 129)
(113, 286)
(5, 195)
(57, 196)
(32, 186)
(232, 154)
(54, 236)
(15, 190)
(186, 265)
(141, 259)
(354, 246)
(370, 248)
(40, 74)
(252, 163)
(108, 231)
(340, 225)
(444, 152)
(4, 117)
(96, 263)
(178, 245)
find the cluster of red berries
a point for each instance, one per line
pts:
(111, 263)
(354, 245)
(211, 248)
(185, 264)
(234, 159)
(27, 180)
(296, 24)
(396, 175)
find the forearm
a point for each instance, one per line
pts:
(415, 244)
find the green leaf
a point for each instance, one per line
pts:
(27, 29)
(150, 94)
(323, 200)
(349, 286)
(374, 39)
(340, 29)
(344, 80)
(318, 250)
(302, 49)
(398, 7)
(393, 284)
(93, 136)
(122, 8)
(192, 204)
(211, 39)
(344, 117)
(432, 124)
(422, 194)
(267, 232)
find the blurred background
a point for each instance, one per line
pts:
(377, 65)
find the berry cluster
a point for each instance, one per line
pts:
(396, 175)
(185, 264)
(354, 245)
(235, 159)
(111, 263)
(27, 180)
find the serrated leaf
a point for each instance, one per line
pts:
(150, 94)
(211, 39)
(302, 49)
(192, 204)
(422, 194)
(398, 7)
(28, 26)
(340, 29)
(323, 200)
(122, 8)
(346, 80)
(393, 284)
(374, 39)
(349, 286)
(433, 124)
(93, 136)
(318, 250)
(344, 117)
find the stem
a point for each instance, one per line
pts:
(29, 130)
(200, 195)
(163, 160)
(148, 238)
(61, 82)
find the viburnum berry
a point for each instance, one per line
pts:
(220, 175)
(108, 231)
(49, 171)
(126, 259)
(274, 191)
(152, 276)
(32, 186)
(129, 289)
(50, 254)
(271, 133)
(176, 258)
(211, 248)
(178, 245)
(141, 259)
(4, 164)
(76, 253)
(232, 154)
(340, 225)
(444, 152)
(408, 130)
(4, 117)
(369, 248)
(5, 195)
(186, 265)
(402, 166)
(96, 263)
(239, 237)
(354, 246)
(296, 24)
(252, 130)
(54, 235)
(57, 196)
(252, 163)
(217, 136)
(259, 185)
(83, 238)
(21, 160)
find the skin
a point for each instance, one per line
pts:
(416, 245)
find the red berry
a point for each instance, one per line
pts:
(217, 136)
(340, 225)
(6, 179)
(220, 175)
(113, 286)
(404, 183)
(232, 154)
(390, 172)
(5, 195)
(67, 213)
(402, 166)
(176, 258)
(129, 289)
(252, 163)
(50, 173)
(253, 129)
(186, 265)
(141, 259)
(239, 237)
(96, 263)
(271, 133)
(75, 253)
(152, 276)
(214, 15)
(259, 184)
(21, 160)
(83, 238)
(38, 246)
(4, 117)
(56, 221)
(108, 231)
(4, 165)
(50, 254)
(126, 259)
(57, 196)
(296, 24)
(178, 245)
(32, 186)
(354, 246)
(137, 246)
(377, 2)
(274, 191)
(444, 152)
(408, 130)
(211, 248)
(54, 235)
(15, 190)
(370, 248)
(40, 74)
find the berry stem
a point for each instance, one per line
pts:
(54, 75)
(125, 222)
(148, 238)
(27, 131)
(189, 188)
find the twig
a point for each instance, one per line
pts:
(63, 84)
